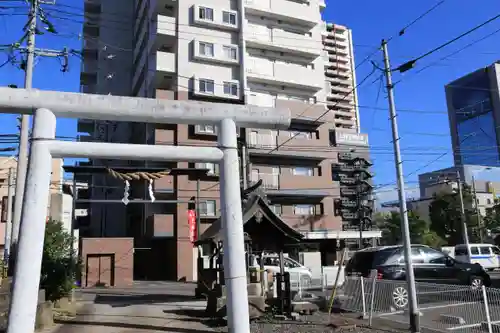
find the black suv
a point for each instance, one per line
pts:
(429, 265)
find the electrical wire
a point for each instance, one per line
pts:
(410, 64)
(412, 23)
(452, 54)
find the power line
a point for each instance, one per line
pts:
(454, 53)
(410, 64)
(427, 12)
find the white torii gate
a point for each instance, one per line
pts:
(46, 105)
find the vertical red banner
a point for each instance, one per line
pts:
(192, 225)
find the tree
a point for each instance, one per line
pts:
(446, 217)
(390, 225)
(491, 223)
(58, 268)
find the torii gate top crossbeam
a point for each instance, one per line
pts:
(137, 109)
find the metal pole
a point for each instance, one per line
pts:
(462, 214)
(72, 229)
(361, 234)
(410, 278)
(23, 306)
(478, 213)
(22, 160)
(235, 274)
(244, 165)
(8, 224)
(198, 218)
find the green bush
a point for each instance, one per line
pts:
(59, 270)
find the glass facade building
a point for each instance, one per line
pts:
(473, 120)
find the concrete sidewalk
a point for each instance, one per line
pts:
(180, 317)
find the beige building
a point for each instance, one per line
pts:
(56, 204)
(263, 53)
(342, 98)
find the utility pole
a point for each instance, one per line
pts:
(462, 213)
(22, 160)
(476, 206)
(8, 224)
(405, 228)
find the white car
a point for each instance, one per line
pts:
(297, 271)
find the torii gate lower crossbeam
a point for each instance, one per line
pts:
(44, 147)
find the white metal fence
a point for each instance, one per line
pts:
(440, 306)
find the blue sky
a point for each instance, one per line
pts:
(370, 21)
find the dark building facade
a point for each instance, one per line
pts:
(474, 115)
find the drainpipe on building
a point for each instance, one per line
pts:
(242, 49)
(244, 165)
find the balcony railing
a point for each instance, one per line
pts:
(269, 181)
(263, 141)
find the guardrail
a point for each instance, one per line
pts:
(441, 307)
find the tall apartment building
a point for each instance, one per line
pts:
(474, 115)
(340, 74)
(265, 53)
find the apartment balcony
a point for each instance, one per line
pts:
(272, 145)
(165, 62)
(341, 97)
(306, 113)
(335, 50)
(345, 122)
(166, 25)
(339, 74)
(291, 185)
(261, 36)
(296, 76)
(343, 113)
(337, 65)
(345, 81)
(85, 126)
(303, 13)
(335, 89)
(341, 104)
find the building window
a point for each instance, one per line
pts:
(207, 86)
(301, 135)
(4, 209)
(230, 52)
(206, 13)
(231, 88)
(302, 171)
(277, 209)
(207, 49)
(207, 208)
(229, 18)
(304, 210)
(213, 168)
(209, 129)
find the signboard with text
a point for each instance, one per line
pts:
(351, 139)
(192, 225)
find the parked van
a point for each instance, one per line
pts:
(487, 255)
